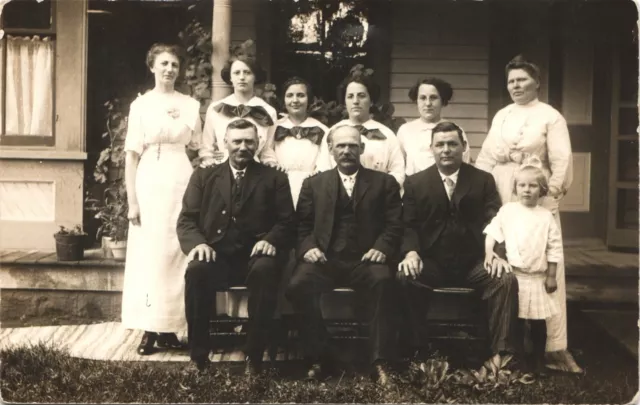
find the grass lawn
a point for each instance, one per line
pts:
(44, 374)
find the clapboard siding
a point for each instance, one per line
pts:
(442, 52)
(241, 34)
(453, 110)
(243, 21)
(439, 66)
(464, 96)
(464, 81)
(426, 43)
(439, 23)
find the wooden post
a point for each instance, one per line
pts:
(221, 39)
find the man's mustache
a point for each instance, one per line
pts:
(347, 157)
(244, 154)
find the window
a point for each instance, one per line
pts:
(320, 40)
(27, 53)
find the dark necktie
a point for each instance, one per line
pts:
(236, 190)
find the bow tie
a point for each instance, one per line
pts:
(371, 134)
(314, 134)
(258, 113)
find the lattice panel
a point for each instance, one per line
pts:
(27, 201)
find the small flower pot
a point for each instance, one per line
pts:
(118, 249)
(69, 247)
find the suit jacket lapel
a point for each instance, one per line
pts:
(437, 185)
(462, 185)
(362, 185)
(328, 210)
(251, 177)
(331, 186)
(223, 183)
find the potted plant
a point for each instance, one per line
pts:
(70, 243)
(108, 174)
(112, 213)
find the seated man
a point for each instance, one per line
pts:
(350, 225)
(236, 225)
(446, 208)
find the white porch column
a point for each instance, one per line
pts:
(221, 39)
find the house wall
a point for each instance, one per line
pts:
(42, 187)
(469, 43)
(448, 40)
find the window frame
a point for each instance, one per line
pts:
(28, 140)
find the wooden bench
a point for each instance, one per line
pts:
(454, 313)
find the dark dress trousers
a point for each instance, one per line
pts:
(231, 218)
(447, 234)
(345, 228)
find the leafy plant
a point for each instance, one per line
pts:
(492, 376)
(197, 73)
(112, 208)
(76, 230)
(112, 156)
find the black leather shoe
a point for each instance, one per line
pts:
(252, 368)
(380, 374)
(170, 341)
(145, 347)
(201, 363)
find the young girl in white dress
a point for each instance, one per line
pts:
(534, 248)
(297, 136)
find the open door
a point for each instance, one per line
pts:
(622, 223)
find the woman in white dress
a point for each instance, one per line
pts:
(382, 150)
(163, 124)
(243, 72)
(297, 136)
(430, 95)
(527, 128)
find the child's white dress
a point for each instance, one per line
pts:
(532, 238)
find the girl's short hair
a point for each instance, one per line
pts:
(297, 80)
(540, 178)
(520, 62)
(243, 53)
(444, 89)
(158, 48)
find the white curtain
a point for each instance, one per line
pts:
(29, 98)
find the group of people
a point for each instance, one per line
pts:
(359, 206)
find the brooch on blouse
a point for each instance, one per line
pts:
(174, 112)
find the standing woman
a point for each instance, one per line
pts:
(162, 125)
(243, 72)
(430, 95)
(297, 136)
(382, 150)
(526, 128)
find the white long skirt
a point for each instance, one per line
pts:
(153, 293)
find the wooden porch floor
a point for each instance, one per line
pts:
(593, 272)
(580, 256)
(590, 256)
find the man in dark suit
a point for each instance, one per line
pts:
(236, 225)
(350, 225)
(446, 208)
